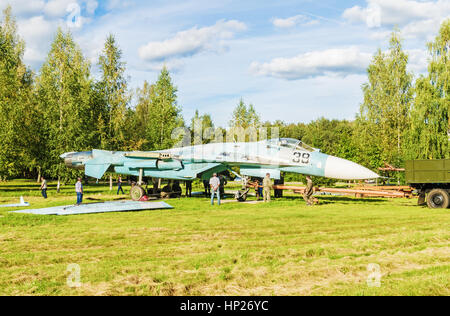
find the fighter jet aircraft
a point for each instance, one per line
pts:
(254, 159)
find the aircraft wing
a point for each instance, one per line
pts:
(153, 164)
(190, 171)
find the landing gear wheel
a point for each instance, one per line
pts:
(241, 196)
(137, 192)
(438, 198)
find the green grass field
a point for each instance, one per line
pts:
(281, 248)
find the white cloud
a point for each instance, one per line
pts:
(38, 23)
(36, 31)
(35, 27)
(417, 60)
(381, 35)
(192, 41)
(91, 6)
(57, 8)
(118, 4)
(49, 8)
(332, 61)
(415, 18)
(174, 66)
(24, 7)
(293, 21)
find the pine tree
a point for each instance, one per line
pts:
(164, 114)
(244, 123)
(116, 97)
(245, 116)
(202, 129)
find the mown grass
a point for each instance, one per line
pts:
(281, 248)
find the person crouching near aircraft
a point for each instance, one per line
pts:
(214, 183)
(267, 186)
(176, 189)
(309, 191)
(79, 191)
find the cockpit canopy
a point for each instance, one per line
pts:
(292, 143)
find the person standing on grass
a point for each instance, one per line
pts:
(119, 185)
(44, 187)
(79, 191)
(214, 183)
(267, 186)
(260, 188)
(207, 187)
(189, 188)
(223, 183)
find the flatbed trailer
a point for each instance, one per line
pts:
(431, 179)
(369, 191)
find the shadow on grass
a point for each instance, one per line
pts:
(324, 199)
(14, 220)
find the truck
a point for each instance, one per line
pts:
(431, 180)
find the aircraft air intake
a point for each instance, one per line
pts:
(76, 160)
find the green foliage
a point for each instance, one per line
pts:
(64, 92)
(429, 131)
(245, 116)
(162, 113)
(63, 109)
(113, 86)
(383, 117)
(202, 129)
(15, 95)
(244, 124)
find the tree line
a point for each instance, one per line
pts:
(63, 108)
(399, 119)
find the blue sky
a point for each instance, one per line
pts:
(294, 60)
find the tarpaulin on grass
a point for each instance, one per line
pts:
(122, 206)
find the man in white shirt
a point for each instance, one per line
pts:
(79, 190)
(44, 187)
(214, 183)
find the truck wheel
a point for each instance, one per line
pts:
(137, 192)
(438, 198)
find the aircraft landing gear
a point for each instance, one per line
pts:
(137, 192)
(241, 196)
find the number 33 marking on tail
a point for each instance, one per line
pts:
(299, 157)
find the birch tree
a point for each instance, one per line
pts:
(383, 117)
(64, 91)
(429, 130)
(16, 148)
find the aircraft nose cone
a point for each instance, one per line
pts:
(338, 168)
(66, 155)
